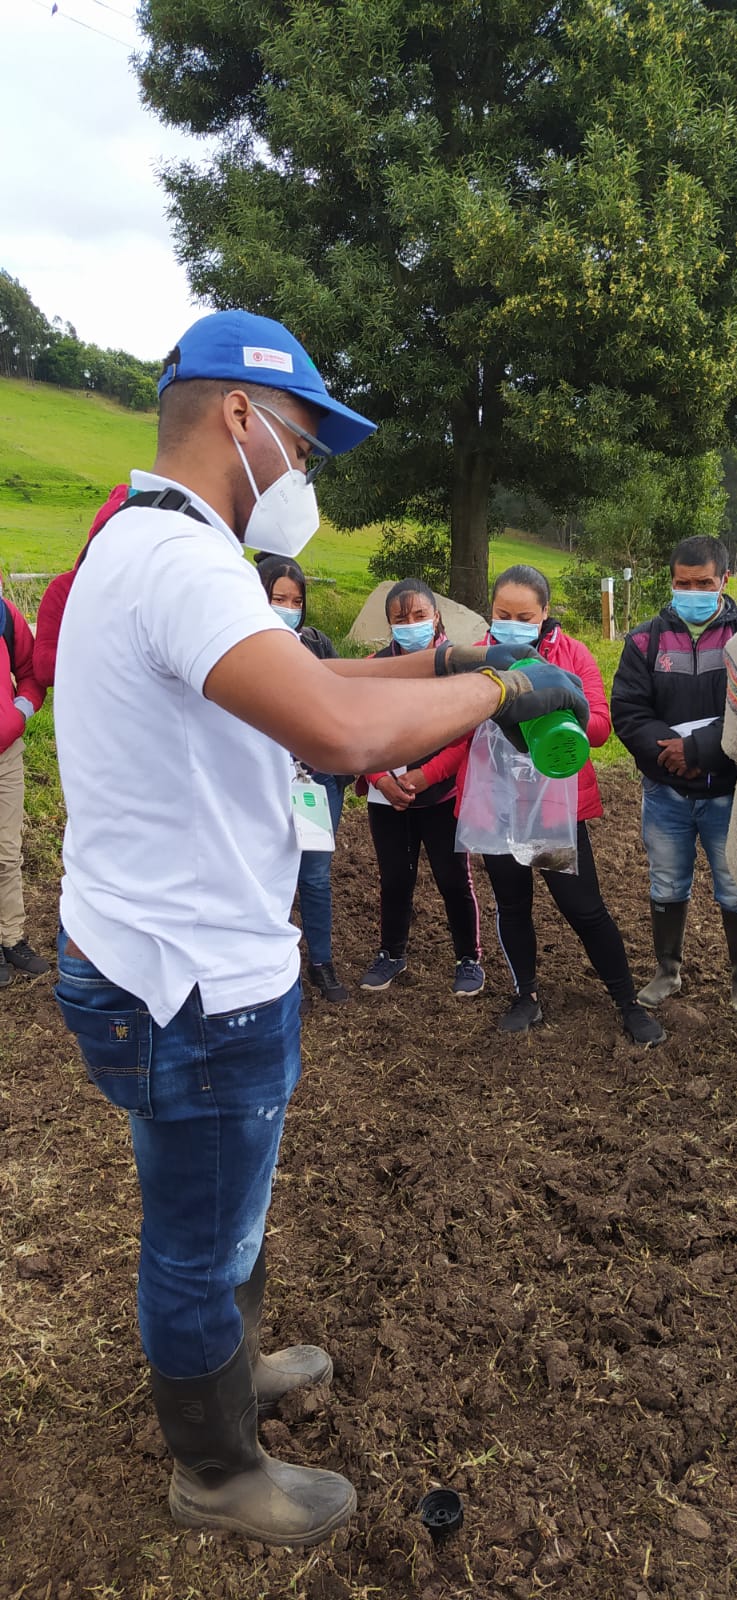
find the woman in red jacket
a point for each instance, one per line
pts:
(520, 606)
(20, 696)
(401, 824)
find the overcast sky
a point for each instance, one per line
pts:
(82, 220)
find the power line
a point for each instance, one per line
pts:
(88, 25)
(129, 15)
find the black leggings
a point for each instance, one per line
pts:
(578, 897)
(397, 837)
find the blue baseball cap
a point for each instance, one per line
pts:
(243, 348)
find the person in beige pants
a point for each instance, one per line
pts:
(20, 696)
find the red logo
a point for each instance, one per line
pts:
(665, 663)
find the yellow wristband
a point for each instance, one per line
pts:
(489, 673)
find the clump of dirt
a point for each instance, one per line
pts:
(519, 1251)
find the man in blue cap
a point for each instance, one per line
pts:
(179, 695)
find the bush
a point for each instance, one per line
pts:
(579, 589)
(422, 552)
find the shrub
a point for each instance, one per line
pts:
(422, 552)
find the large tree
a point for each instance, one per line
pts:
(506, 230)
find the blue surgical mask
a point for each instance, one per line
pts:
(414, 635)
(695, 605)
(509, 631)
(292, 618)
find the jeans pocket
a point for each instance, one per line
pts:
(116, 1050)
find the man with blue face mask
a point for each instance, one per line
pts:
(668, 709)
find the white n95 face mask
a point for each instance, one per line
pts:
(285, 516)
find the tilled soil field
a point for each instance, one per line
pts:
(521, 1255)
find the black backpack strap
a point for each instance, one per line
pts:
(161, 500)
(7, 632)
(653, 644)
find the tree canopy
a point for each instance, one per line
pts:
(505, 230)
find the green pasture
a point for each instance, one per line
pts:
(62, 451)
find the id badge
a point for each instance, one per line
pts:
(311, 812)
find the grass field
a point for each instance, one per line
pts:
(61, 452)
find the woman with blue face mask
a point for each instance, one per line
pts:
(285, 585)
(401, 822)
(520, 617)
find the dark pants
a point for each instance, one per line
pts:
(578, 898)
(397, 837)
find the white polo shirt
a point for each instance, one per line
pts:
(180, 853)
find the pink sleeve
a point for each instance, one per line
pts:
(600, 721)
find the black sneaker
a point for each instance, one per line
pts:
(383, 971)
(6, 975)
(322, 974)
(524, 1013)
(641, 1025)
(470, 977)
(21, 955)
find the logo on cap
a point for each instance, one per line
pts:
(258, 356)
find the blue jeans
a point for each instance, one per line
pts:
(206, 1099)
(313, 883)
(671, 825)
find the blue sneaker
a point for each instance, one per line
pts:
(383, 971)
(470, 977)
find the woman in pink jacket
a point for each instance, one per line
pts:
(520, 607)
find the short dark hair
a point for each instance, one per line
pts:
(184, 403)
(528, 578)
(271, 568)
(700, 551)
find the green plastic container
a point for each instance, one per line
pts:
(557, 743)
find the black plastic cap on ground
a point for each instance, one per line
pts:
(441, 1512)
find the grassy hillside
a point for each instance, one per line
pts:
(61, 452)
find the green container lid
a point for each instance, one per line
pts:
(557, 743)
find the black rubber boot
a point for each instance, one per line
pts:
(669, 927)
(300, 1366)
(223, 1479)
(729, 920)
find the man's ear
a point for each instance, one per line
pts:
(238, 412)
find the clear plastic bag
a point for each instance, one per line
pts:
(509, 808)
